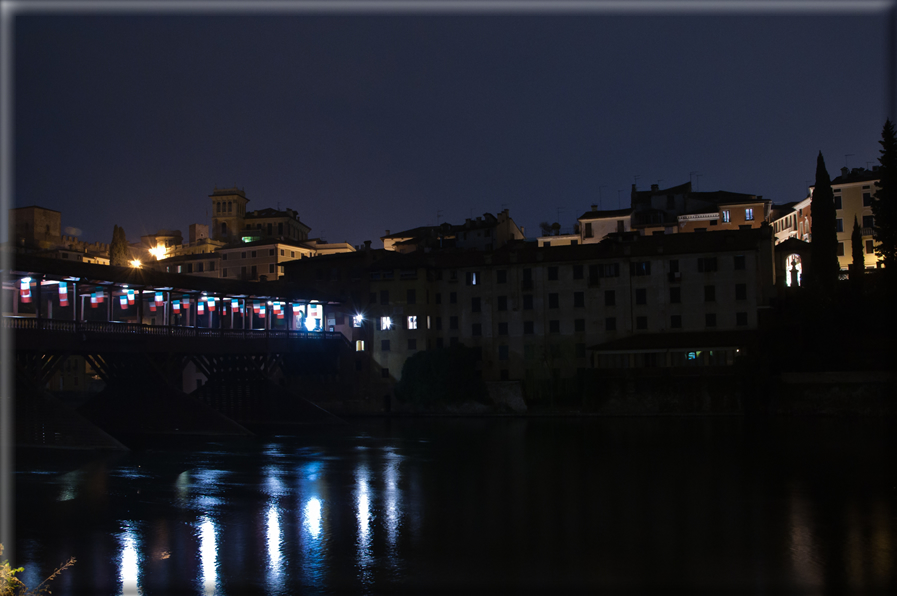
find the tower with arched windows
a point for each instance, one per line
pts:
(228, 212)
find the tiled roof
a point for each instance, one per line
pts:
(606, 213)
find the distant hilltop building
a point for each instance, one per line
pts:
(38, 231)
(231, 221)
(485, 233)
(673, 210)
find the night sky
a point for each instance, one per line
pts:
(364, 122)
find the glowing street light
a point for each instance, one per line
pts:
(158, 252)
(136, 263)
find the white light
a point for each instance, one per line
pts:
(129, 564)
(208, 556)
(135, 263)
(26, 280)
(313, 517)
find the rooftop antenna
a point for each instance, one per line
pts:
(635, 178)
(438, 216)
(698, 178)
(846, 155)
(690, 174)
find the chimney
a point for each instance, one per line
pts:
(845, 172)
(655, 187)
(594, 207)
(367, 245)
(387, 233)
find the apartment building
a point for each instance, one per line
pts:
(853, 191)
(543, 313)
(486, 233)
(675, 210)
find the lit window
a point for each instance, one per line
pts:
(359, 345)
(412, 322)
(385, 323)
(749, 214)
(726, 216)
(357, 320)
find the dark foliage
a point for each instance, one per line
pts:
(825, 270)
(442, 376)
(856, 250)
(884, 201)
(119, 252)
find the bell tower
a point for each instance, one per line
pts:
(228, 211)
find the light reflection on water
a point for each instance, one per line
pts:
(208, 556)
(129, 562)
(518, 509)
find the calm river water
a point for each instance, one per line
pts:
(547, 506)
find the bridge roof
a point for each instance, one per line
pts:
(160, 280)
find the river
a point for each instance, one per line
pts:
(716, 505)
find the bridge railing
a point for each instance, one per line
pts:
(35, 324)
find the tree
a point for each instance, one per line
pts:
(856, 251)
(119, 252)
(825, 270)
(545, 227)
(884, 201)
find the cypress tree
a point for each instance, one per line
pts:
(856, 251)
(884, 202)
(824, 268)
(119, 252)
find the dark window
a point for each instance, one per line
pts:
(840, 249)
(710, 319)
(610, 324)
(709, 293)
(502, 328)
(641, 322)
(527, 302)
(439, 343)
(839, 225)
(741, 291)
(867, 199)
(224, 256)
(868, 221)
(438, 298)
(641, 296)
(453, 297)
(412, 296)
(707, 264)
(640, 268)
(577, 271)
(503, 355)
(609, 298)
(528, 327)
(502, 303)
(674, 265)
(675, 295)
(384, 296)
(527, 274)
(412, 344)
(579, 325)
(553, 301)
(741, 319)
(253, 254)
(453, 323)
(579, 299)
(501, 276)
(270, 252)
(384, 372)
(270, 267)
(870, 247)
(475, 304)
(588, 233)
(554, 326)
(439, 323)
(476, 330)
(739, 262)
(837, 201)
(676, 322)
(384, 345)
(552, 273)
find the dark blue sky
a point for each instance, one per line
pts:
(368, 122)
